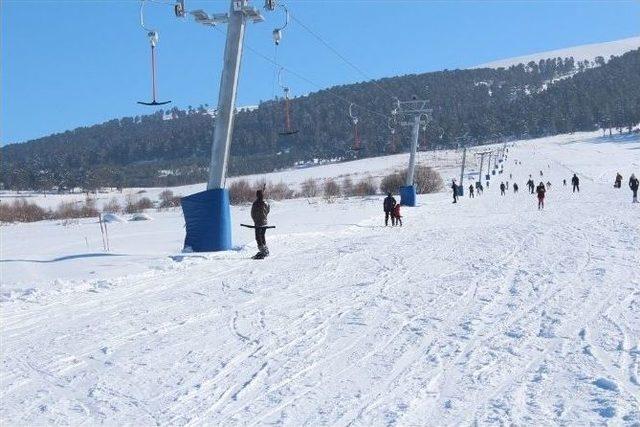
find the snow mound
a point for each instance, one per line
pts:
(579, 53)
(140, 217)
(111, 217)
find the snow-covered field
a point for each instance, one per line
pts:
(486, 311)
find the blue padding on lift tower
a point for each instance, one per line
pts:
(207, 219)
(460, 191)
(408, 195)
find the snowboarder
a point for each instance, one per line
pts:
(471, 196)
(541, 190)
(454, 187)
(502, 188)
(259, 211)
(515, 187)
(575, 181)
(396, 214)
(388, 205)
(618, 182)
(633, 185)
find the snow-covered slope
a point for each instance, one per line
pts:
(579, 53)
(487, 311)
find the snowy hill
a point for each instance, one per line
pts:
(483, 312)
(579, 53)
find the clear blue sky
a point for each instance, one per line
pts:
(67, 64)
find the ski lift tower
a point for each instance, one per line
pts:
(481, 154)
(413, 112)
(207, 214)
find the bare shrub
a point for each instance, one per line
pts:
(347, 186)
(365, 187)
(20, 210)
(240, 191)
(70, 210)
(137, 205)
(427, 180)
(331, 189)
(279, 191)
(309, 188)
(168, 200)
(112, 206)
(392, 183)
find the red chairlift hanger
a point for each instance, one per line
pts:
(153, 41)
(288, 127)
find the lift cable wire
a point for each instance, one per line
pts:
(307, 80)
(342, 57)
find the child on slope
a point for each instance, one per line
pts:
(396, 214)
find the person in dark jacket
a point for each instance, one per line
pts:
(454, 187)
(471, 195)
(564, 182)
(575, 181)
(502, 188)
(618, 181)
(531, 185)
(515, 187)
(259, 211)
(388, 205)
(541, 190)
(634, 183)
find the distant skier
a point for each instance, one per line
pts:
(507, 184)
(548, 185)
(515, 187)
(396, 214)
(388, 205)
(575, 181)
(454, 187)
(471, 196)
(531, 185)
(618, 182)
(541, 190)
(564, 182)
(510, 176)
(259, 211)
(541, 174)
(633, 185)
(502, 188)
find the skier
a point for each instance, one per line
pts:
(548, 185)
(388, 205)
(502, 188)
(575, 181)
(454, 187)
(507, 184)
(541, 174)
(396, 214)
(515, 187)
(541, 190)
(633, 185)
(564, 182)
(530, 184)
(471, 196)
(259, 211)
(618, 182)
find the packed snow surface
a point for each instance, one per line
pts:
(485, 311)
(579, 53)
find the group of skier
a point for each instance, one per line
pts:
(260, 208)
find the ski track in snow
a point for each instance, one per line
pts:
(485, 312)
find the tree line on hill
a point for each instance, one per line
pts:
(473, 106)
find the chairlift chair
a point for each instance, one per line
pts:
(288, 127)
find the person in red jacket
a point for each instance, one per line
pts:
(396, 214)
